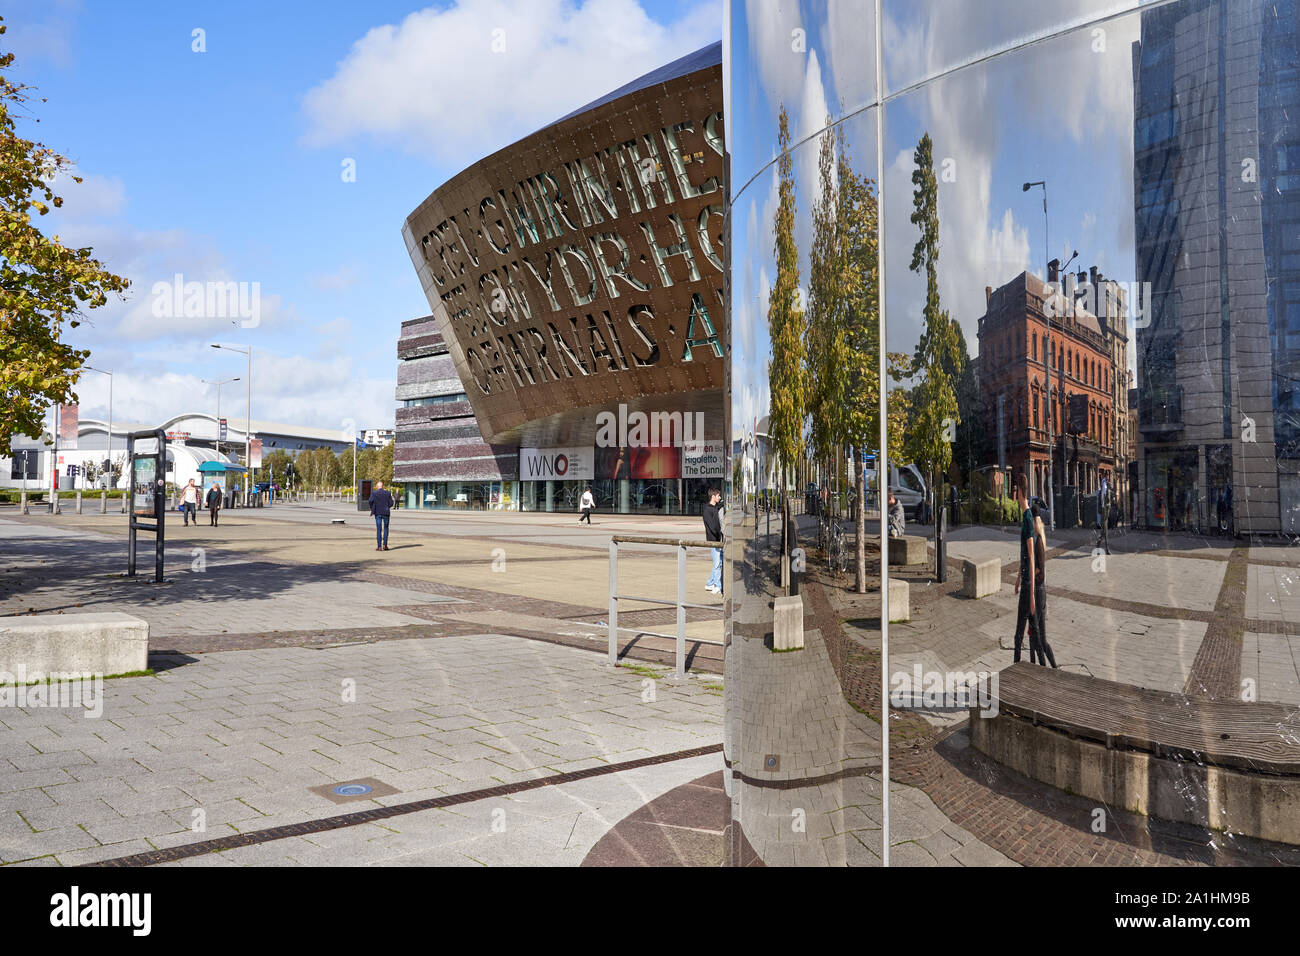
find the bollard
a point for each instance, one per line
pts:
(78, 501)
(123, 503)
(54, 503)
(103, 502)
(24, 502)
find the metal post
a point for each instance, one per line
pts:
(681, 611)
(613, 602)
(882, 468)
(24, 508)
(78, 501)
(103, 502)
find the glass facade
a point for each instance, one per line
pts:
(1048, 261)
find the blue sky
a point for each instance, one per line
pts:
(227, 165)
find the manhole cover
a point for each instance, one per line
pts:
(772, 763)
(353, 789)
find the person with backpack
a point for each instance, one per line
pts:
(381, 507)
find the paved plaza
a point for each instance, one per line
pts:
(462, 677)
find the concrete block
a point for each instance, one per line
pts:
(787, 624)
(981, 577)
(102, 643)
(900, 601)
(907, 549)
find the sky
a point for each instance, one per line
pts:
(281, 146)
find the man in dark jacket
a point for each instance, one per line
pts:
(381, 506)
(712, 514)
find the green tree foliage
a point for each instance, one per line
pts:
(43, 283)
(785, 317)
(843, 353)
(938, 357)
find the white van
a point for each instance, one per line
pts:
(908, 486)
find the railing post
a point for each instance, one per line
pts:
(681, 610)
(613, 602)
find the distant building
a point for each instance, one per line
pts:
(1087, 352)
(1216, 181)
(192, 438)
(378, 437)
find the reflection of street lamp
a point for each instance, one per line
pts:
(219, 384)
(1051, 403)
(110, 416)
(248, 430)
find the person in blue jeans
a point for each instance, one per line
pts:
(712, 515)
(381, 506)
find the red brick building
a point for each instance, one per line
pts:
(1086, 355)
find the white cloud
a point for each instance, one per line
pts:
(434, 83)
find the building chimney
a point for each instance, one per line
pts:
(1053, 270)
(1094, 275)
(988, 295)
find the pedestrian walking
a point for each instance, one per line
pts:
(1103, 514)
(587, 505)
(712, 515)
(381, 507)
(1027, 606)
(213, 503)
(1038, 622)
(190, 503)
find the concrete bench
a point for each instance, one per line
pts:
(1224, 763)
(104, 643)
(900, 601)
(907, 549)
(787, 623)
(981, 577)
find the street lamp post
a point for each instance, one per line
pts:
(109, 454)
(248, 430)
(219, 384)
(1051, 402)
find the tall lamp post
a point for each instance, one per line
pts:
(226, 381)
(110, 416)
(248, 430)
(1051, 402)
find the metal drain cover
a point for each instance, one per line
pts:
(348, 791)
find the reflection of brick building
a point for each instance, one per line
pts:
(1086, 352)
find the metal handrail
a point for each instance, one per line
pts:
(681, 544)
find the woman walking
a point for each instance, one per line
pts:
(213, 503)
